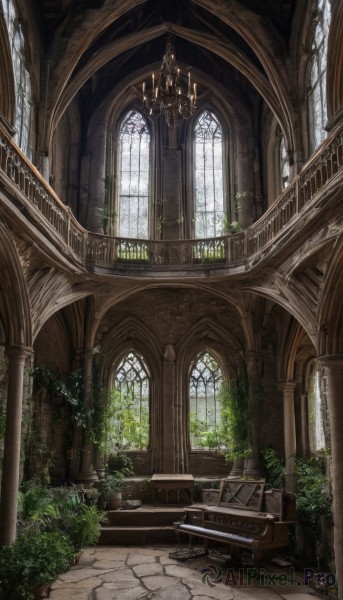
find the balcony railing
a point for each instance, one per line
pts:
(91, 249)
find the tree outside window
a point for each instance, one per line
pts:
(205, 384)
(130, 403)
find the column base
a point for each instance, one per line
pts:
(90, 477)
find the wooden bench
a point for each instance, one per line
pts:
(246, 517)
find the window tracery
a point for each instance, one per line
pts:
(205, 384)
(22, 79)
(208, 185)
(131, 402)
(317, 79)
(133, 203)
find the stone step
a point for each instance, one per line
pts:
(145, 516)
(137, 535)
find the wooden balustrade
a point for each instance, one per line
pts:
(89, 248)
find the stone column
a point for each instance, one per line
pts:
(333, 366)
(170, 218)
(245, 193)
(96, 197)
(304, 424)
(17, 356)
(289, 432)
(88, 473)
(251, 468)
(168, 412)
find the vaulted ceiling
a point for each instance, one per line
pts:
(96, 46)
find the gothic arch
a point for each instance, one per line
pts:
(14, 303)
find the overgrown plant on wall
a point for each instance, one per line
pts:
(234, 415)
(229, 435)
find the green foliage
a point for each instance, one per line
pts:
(82, 525)
(313, 496)
(234, 416)
(230, 227)
(274, 468)
(120, 462)
(202, 437)
(129, 425)
(232, 429)
(70, 388)
(111, 483)
(34, 559)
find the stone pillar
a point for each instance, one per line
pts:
(88, 473)
(46, 168)
(245, 192)
(168, 412)
(17, 356)
(333, 366)
(304, 424)
(251, 468)
(289, 432)
(169, 222)
(96, 198)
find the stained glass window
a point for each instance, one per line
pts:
(317, 87)
(134, 177)
(208, 187)
(22, 79)
(205, 384)
(131, 402)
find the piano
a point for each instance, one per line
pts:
(245, 516)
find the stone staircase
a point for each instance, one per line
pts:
(148, 523)
(144, 525)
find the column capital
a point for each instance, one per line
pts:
(287, 385)
(18, 351)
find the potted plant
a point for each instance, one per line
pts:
(32, 562)
(110, 490)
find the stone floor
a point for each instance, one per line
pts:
(148, 573)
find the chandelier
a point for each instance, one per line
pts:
(171, 96)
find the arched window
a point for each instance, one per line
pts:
(208, 211)
(134, 176)
(205, 385)
(22, 80)
(317, 83)
(130, 402)
(284, 163)
(315, 413)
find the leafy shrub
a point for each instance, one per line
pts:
(120, 462)
(274, 468)
(34, 559)
(313, 496)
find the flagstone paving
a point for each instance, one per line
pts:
(147, 573)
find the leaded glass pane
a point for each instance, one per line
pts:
(22, 79)
(209, 195)
(317, 93)
(205, 384)
(134, 176)
(130, 402)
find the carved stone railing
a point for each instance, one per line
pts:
(90, 249)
